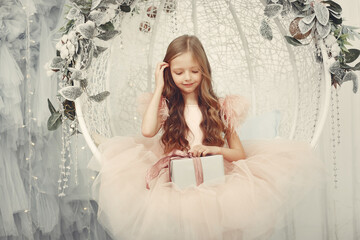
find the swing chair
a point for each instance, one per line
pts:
(273, 75)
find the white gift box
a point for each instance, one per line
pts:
(183, 172)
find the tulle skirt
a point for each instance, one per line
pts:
(255, 196)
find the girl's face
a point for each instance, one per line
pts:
(186, 73)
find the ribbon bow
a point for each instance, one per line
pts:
(164, 162)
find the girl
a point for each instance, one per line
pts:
(263, 179)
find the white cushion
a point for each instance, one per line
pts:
(264, 126)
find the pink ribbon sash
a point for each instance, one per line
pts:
(164, 162)
(198, 171)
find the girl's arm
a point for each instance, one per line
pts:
(233, 153)
(151, 123)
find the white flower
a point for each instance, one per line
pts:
(330, 40)
(72, 37)
(71, 49)
(64, 52)
(335, 50)
(64, 38)
(59, 45)
(331, 61)
(68, 44)
(47, 67)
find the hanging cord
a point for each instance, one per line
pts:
(335, 132)
(28, 112)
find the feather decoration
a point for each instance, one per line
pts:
(144, 100)
(234, 110)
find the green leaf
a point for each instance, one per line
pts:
(54, 121)
(293, 41)
(87, 29)
(322, 13)
(304, 27)
(100, 97)
(346, 42)
(323, 30)
(351, 76)
(348, 67)
(71, 93)
(345, 66)
(83, 83)
(107, 35)
(125, 8)
(356, 67)
(68, 26)
(273, 10)
(334, 6)
(344, 49)
(335, 20)
(107, 26)
(98, 50)
(57, 63)
(344, 36)
(352, 55)
(265, 30)
(51, 107)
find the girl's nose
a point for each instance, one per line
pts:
(187, 76)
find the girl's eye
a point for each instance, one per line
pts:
(195, 71)
(178, 73)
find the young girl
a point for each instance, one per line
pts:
(263, 179)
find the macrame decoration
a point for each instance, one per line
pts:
(281, 55)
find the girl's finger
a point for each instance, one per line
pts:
(202, 154)
(163, 67)
(205, 152)
(163, 64)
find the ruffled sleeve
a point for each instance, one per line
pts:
(143, 102)
(234, 110)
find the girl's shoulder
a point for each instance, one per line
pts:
(234, 110)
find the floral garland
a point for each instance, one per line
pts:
(90, 21)
(322, 21)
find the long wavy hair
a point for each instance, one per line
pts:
(175, 128)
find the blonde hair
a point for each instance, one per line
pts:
(175, 128)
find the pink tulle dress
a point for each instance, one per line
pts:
(256, 194)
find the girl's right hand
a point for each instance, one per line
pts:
(159, 74)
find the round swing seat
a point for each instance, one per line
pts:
(288, 88)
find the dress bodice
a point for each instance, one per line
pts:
(193, 118)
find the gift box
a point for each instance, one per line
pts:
(186, 172)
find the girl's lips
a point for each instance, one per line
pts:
(188, 85)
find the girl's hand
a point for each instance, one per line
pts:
(202, 150)
(159, 74)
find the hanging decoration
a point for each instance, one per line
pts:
(89, 22)
(322, 21)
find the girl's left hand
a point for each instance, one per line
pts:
(202, 150)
